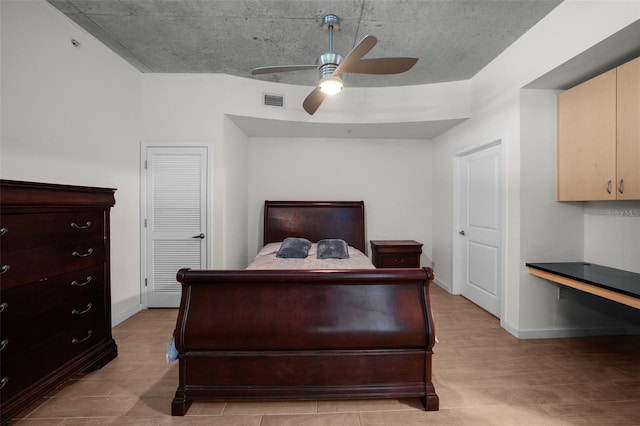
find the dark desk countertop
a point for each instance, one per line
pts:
(624, 282)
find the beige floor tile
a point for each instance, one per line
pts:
(84, 407)
(206, 408)
(339, 419)
(271, 407)
(529, 415)
(355, 405)
(234, 420)
(408, 418)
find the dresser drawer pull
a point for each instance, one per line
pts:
(85, 226)
(3, 231)
(3, 306)
(3, 382)
(77, 312)
(5, 268)
(4, 344)
(84, 339)
(77, 284)
(396, 260)
(88, 253)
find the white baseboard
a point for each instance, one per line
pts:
(444, 286)
(574, 332)
(115, 320)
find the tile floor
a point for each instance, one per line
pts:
(482, 374)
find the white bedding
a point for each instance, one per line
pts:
(266, 259)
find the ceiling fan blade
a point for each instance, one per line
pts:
(381, 65)
(361, 49)
(282, 68)
(313, 100)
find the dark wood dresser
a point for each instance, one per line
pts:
(396, 253)
(55, 301)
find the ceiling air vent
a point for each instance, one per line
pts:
(273, 100)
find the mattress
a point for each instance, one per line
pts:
(266, 259)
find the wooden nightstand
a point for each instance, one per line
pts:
(396, 253)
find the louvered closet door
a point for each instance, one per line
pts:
(176, 202)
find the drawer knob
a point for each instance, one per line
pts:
(87, 309)
(84, 339)
(3, 306)
(396, 260)
(85, 226)
(88, 253)
(3, 231)
(4, 344)
(3, 382)
(77, 284)
(4, 269)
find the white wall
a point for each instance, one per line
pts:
(71, 115)
(571, 28)
(612, 234)
(236, 147)
(392, 177)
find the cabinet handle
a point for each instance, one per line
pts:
(5, 268)
(3, 231)
(620, 186)
(85, 226)
(4, 344)
(88, 253)
(77, 312)
(77, 284)
(3, 306)
(396, 260)
(84, 339)
(608, 187)
(3, 382)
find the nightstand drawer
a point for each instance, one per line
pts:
(398, 261)
(396, 253)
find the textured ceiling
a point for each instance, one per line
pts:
(453, 39)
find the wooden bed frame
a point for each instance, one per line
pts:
(305, 334)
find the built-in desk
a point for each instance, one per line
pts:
(614, 284)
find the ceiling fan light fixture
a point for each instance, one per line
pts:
(330, 85)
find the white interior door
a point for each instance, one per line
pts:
(480, 227)
(175, 213)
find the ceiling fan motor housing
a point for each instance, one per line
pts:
(327, 63)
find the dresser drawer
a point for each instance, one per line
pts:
(30, 366)
(22, 372)
(64, 322)
(42, 263)
(27, 231)
(35, 298)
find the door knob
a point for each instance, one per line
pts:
(201, 236)
(461, 232)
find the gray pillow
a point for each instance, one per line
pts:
(333, 248)
(294, 248)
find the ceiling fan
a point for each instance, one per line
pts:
(331, 65)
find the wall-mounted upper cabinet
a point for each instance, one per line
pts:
(599, 137)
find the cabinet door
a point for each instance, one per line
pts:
(586, 162)
(628, 148)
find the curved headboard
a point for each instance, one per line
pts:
(315, 220)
